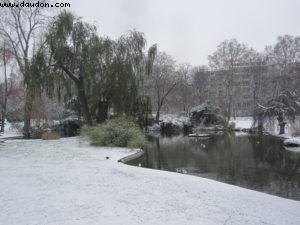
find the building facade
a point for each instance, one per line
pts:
(241, 89)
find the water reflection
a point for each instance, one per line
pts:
(254, 162)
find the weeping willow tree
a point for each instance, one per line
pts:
(128, 70)
(106, 74)
(71, 43)
(121, 71)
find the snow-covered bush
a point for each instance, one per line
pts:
(171, 124)
(118, 132)
(177, 120)
(206, 114)
(155, 128)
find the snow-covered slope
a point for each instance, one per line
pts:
(66, 182)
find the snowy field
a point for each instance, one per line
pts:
(66, 182)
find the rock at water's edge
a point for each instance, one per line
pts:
(292, 142)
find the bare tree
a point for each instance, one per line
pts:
(162, 80)
(19, 26)
(284, 54)
(182, 95)
(201, 84)
(230, 56)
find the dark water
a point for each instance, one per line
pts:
(253, 162)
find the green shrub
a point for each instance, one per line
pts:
(117, 132)
(37, 130)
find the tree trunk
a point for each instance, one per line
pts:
(3, 116)
(146, 122)
(27, 114)
(5, 93)
(229, 109)
(84, 103)
(281, 124)
(260, 126)
(282, 128)
(158, 153)
(102, 111)
(158, 113)
(79, 81)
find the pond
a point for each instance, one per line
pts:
(259, 163)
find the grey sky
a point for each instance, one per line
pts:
(190, 30)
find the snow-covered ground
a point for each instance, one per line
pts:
(66, 182)
(9, 131)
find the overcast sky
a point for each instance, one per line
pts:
(190, 30)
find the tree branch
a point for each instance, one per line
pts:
(69, 73)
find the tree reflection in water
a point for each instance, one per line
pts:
(255, 162)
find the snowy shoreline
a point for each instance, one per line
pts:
(69, 182)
